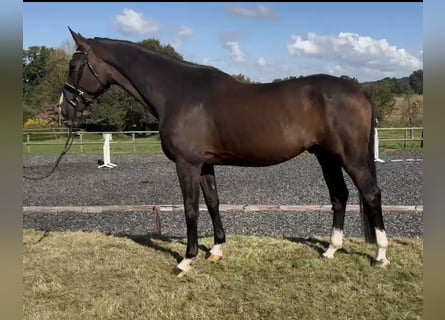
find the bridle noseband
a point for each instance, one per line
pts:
(80, 95)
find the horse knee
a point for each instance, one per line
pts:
(373, 197)
(213, 202)
(340, 200)
(191, 216)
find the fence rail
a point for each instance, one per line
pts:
(410, 134)
(140, 141)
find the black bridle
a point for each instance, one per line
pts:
(77, 94)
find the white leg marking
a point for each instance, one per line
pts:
(336, 243)
(216, 250)
(382, 244)
(184, 265)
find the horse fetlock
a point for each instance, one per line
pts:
(215, 254)
(329, 253)
(336, 238)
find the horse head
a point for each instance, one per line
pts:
(88, 77)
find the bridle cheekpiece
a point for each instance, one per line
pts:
(77, 92)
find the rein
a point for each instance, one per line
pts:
(77, 93)
(68, 143)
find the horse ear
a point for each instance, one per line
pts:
(80, 41)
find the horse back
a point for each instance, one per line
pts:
(265, 124)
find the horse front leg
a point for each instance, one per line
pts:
(189, 176)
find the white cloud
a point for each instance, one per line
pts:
(211, 62)
(235, 51)
(260, 12)
(180, 35)
(262, 62)
(300, 47)
(353, 49)
(185, 31)
(133, 23)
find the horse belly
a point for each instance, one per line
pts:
(256, 152)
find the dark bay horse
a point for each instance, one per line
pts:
(208, 118)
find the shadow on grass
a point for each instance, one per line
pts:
(147, 241)
(317, 245)
(320, 246)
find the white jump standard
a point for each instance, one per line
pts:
(106, 148)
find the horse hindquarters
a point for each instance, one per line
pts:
(357, 155)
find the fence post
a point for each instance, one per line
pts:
(421, 141)
(28, 146)
(134, 142)
(81, 142)
(406, 137)
(376, 146)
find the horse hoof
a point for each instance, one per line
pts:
(326, 257)
(214, 258)
(180, 273)
(383, 263)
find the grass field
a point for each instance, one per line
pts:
(95, 276)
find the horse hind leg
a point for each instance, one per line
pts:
(372, 208)
(208, 187)
(338, 193)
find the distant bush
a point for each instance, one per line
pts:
(35, 123)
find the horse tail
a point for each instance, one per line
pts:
(368, 226)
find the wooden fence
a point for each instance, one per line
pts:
(139, 141)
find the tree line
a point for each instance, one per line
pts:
(44, 73)
(45, 70)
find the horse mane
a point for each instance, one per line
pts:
(161, 55)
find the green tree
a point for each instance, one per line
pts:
(286, 78)
(28, 113)
(107, 113)
(117, 110)
(349, 78)
(411, 111)
(394, 85)
(241, 77)
(416, 81)
(156, 45)
(382, 98)
(44, 69)
(34, 60)
(49, 89)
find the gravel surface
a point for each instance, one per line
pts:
(143, 180)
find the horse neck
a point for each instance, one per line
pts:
(144, 75)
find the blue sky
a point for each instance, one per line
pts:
(264, 40)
